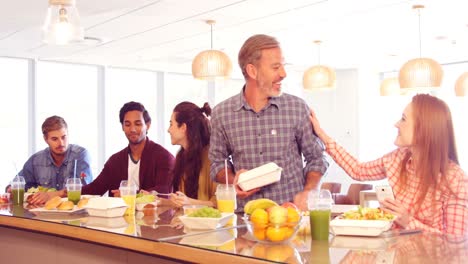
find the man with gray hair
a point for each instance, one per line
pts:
(262, 125)
(52, 166)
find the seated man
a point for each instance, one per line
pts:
(143, 162)
(52, 166)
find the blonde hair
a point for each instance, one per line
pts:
(251, 51)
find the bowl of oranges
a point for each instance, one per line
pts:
(273, 225)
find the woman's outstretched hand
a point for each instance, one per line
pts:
(317, 129)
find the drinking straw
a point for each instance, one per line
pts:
(226, 172)
(74, 171)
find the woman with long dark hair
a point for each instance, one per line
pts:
(431, 190)
(190, 128)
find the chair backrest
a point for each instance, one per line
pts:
(355, 189)
(333, 187)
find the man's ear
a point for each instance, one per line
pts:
(251, 71)
(45, 138)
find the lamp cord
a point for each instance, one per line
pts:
(211, 25)
(318, 53)
(419, 29)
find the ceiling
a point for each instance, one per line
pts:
(167, 34)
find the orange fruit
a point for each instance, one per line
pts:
(289, 231)
(259, 233)
(276, 234)
(259, 218)
(293, 215)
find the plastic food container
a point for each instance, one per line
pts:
(106, 207)
(260, 176)
(359, 227)
(205, 222)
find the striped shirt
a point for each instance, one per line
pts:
(279, 133)
(443, 210)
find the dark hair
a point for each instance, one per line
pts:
(134, 106)
(53, 123)
(251, 50)
(189, 161)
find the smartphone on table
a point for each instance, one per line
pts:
(383, 192)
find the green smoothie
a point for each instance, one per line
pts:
(319, 224)
(74, 196)
(18, 196)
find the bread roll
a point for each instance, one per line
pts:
(67, 205)
(53, 203)
(82, 202)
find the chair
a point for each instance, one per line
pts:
(333, 187)
(352, 197)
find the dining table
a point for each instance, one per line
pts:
(26, 237)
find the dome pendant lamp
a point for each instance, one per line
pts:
(62, 24)
(389, 87)
(421, 73)
(211, 64)
(319, 77)
(461, 86)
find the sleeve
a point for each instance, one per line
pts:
(100, 185)
(455, 213)
(219, 150)
(84, 167)
(163, 172)
(312, 147)
(365, 171)
(28, 173)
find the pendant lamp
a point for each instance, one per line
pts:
(420, 73)
(461, 86)
(390, 86)
(319, 76)
(62, 24)
(211, 64)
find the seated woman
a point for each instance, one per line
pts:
(431, 190)
(190, 128)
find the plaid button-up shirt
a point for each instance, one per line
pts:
(281, 132)
(445, 211)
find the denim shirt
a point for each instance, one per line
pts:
(40, 169)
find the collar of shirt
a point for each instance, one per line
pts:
(242, 103)
(65, 160)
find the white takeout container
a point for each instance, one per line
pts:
(205, 222)
(359, 227)
(260, 176)
(106, 206)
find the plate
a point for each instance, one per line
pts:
(205, 222)
(359, 227)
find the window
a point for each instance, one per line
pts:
(14, 126)
(69, 91)
(122, 86)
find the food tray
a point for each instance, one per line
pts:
(260, 176)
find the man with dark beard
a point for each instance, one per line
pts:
(143, 162)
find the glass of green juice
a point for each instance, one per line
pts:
(74, 189)
(319, 203)
(17, 190)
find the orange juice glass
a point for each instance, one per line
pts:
(226, 199)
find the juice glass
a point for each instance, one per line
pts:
(74, 190)
(17, 190)
(319, 203)
(226, 199)
(128, 193)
